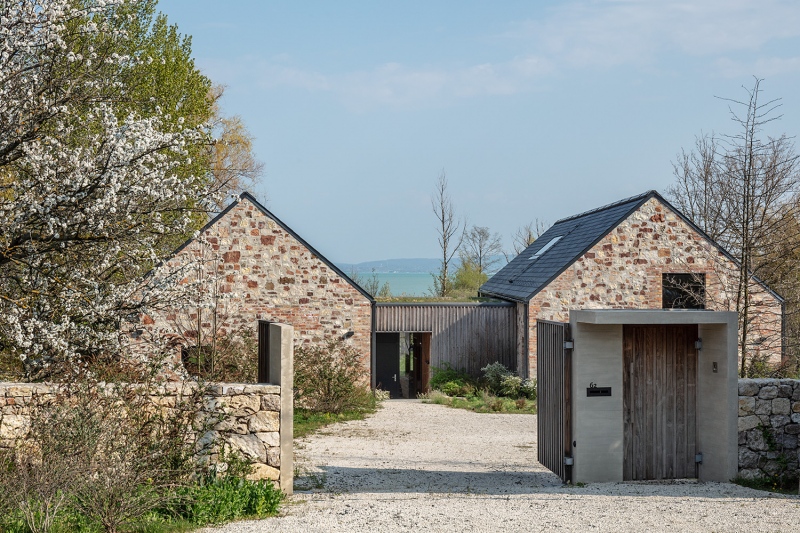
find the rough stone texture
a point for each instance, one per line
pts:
(263, 272)
(624, 271)
(768, 439)
(251, 427)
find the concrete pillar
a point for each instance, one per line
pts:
(281, 372)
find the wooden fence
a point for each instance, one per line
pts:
(468, 336)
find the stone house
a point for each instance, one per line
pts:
(248, 265)
(638, 253)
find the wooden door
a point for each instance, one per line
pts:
(659, 403)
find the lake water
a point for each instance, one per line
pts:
(406, 283)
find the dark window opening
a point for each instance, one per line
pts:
(683, 291)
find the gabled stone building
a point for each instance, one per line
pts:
(247, 265)
(638, 253)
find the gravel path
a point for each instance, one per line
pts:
(423, 467)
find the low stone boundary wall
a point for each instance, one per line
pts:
(769, 427)
(250, 424)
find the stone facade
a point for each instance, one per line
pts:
(253, 267)
(769, 427)
(251, 424)
(624, 271)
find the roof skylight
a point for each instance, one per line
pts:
(540, 252)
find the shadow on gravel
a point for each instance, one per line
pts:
(409, 480)
(395, 480)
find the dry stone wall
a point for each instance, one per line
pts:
(252, 268)
(624, 271)
(769, 427)
(251, 424)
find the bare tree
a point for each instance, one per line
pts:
(481, 248)
(524, 237)
(742, 190)
(450, 232)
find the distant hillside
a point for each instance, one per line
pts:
(393, 265)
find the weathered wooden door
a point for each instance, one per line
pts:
(553, 372)
(659, 402)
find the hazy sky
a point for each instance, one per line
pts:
(533, 109)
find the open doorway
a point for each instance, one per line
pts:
(403, 363)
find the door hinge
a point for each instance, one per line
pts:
(569, 345)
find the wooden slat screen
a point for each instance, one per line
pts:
(553, 373)
(468, 336)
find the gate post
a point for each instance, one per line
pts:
(276, 366)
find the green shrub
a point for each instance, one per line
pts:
(224, 499)
(448, 374)
(510, 386)
(493, 376)
(528, 389)
(331, 378)
(457, 388)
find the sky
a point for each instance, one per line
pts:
(534, 110)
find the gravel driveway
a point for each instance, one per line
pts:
(423, 467)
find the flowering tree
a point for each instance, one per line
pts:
(89, 191)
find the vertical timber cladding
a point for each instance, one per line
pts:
(553, 374)
(659, 402)
(468, 336)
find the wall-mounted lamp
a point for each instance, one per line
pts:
(348, 335)
(698, 344)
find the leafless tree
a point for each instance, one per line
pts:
(450, 230)
(481, 247)
(742, 190)
(524, 237)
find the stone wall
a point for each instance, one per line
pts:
(769, 426)
(624, 271)
(251, 425)
(254, 268)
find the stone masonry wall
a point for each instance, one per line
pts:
(624, 271)
(769, 426)
(251, 424)
(257, 270)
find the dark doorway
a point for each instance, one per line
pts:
(659, 402)
(387, 363)
(403, 362)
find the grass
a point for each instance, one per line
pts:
(208, 503)
(787, 485)
(307, 422)
(483, 403)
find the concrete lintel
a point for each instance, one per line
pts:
(652, 316)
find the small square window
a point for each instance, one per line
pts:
(683, 291)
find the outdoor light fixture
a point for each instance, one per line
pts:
(698, 344)
(348, 335)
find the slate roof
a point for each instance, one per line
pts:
(250, 198)
(522, 278)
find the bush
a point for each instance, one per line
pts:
(529, 389)
(218, 500)
(448, 374)
(457, 388)
(109, 454)
(493, 376)
(331, 378)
